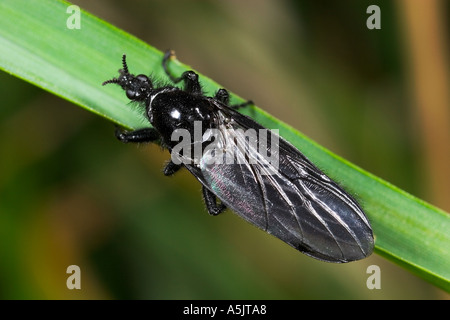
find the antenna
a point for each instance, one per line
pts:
(124, 63)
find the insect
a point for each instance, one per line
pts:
(289, 198)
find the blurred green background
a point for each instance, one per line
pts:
(71, 194)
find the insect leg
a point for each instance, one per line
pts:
(211, 203)
(167, 56)
(242, 105)
(190, 78)
(171, 168)
(141, 135)
(223, 96)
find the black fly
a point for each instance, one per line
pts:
(260, 176)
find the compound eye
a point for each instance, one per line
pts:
(143, 78)
(131, 94)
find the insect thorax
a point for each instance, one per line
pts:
(176, 110)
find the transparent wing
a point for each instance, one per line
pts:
(289, 198)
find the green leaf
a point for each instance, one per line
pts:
(72, 63)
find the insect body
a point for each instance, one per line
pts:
(289, 198)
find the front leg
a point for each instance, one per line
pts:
(190, 78)
(141, 135)
(223, 96)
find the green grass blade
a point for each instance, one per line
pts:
(36, 45)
